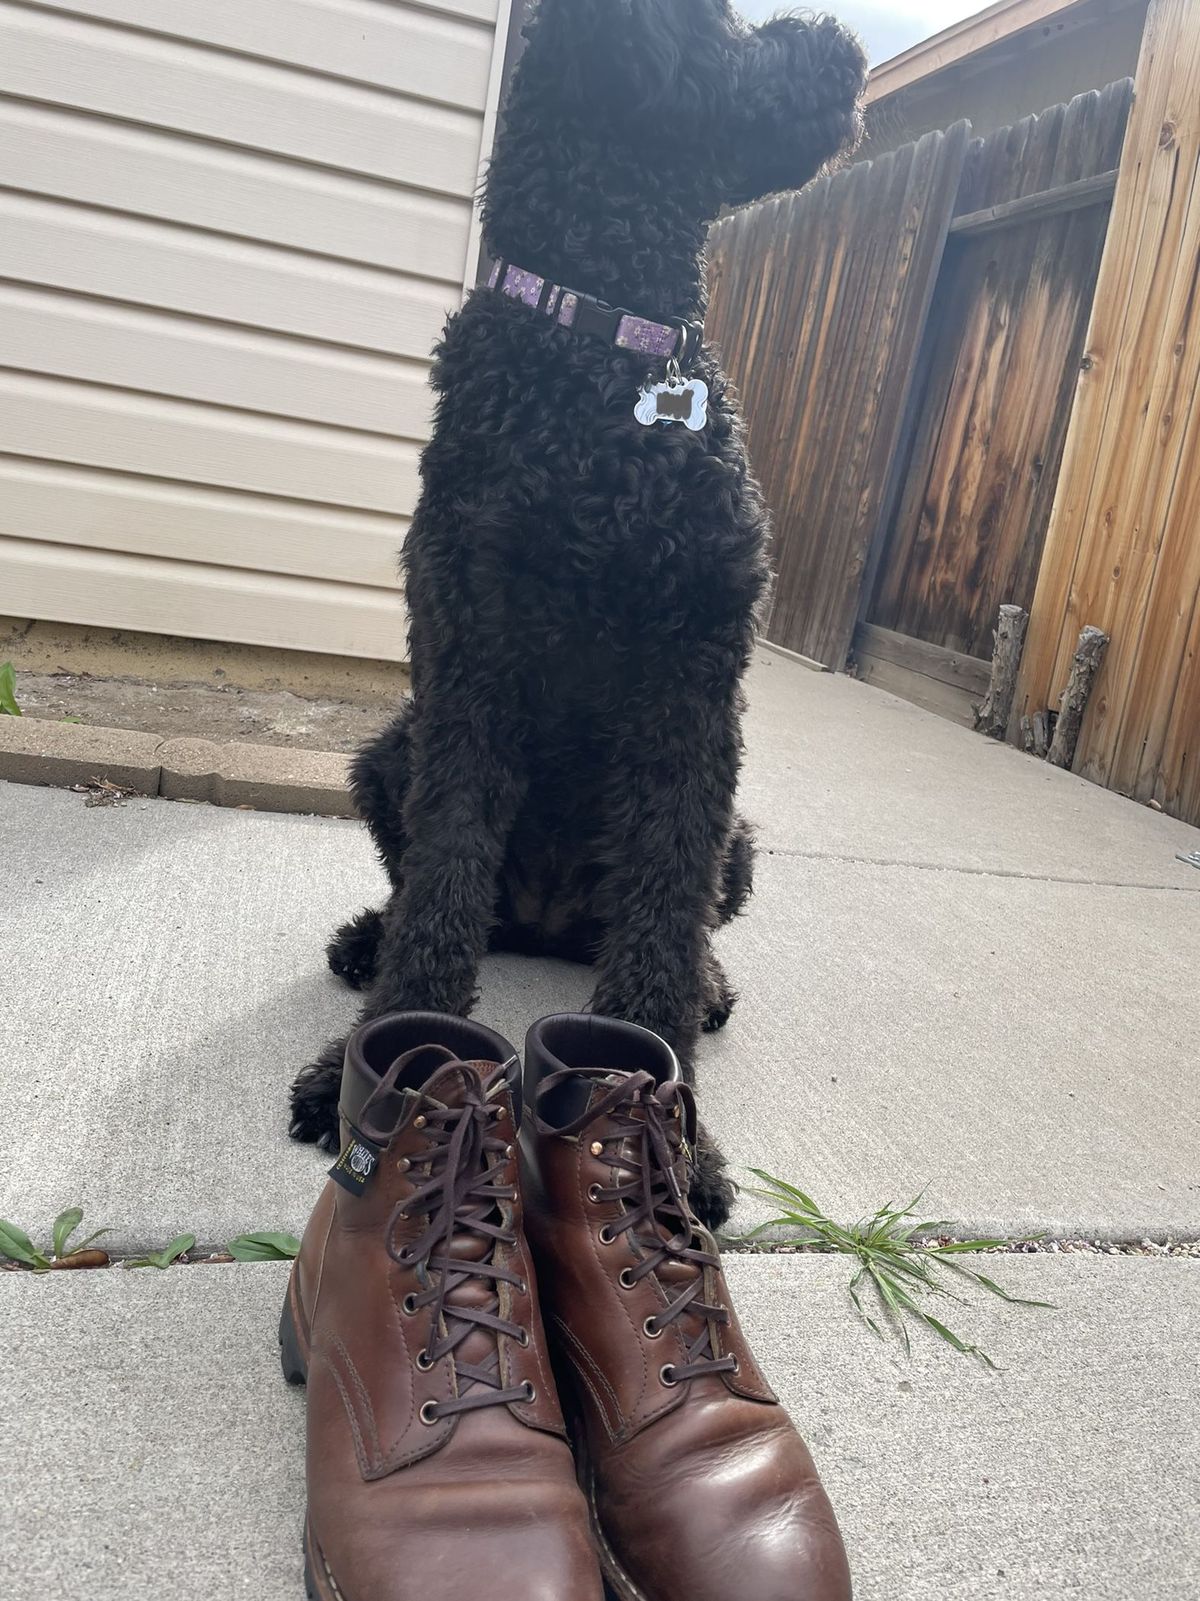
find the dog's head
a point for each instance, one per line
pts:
(674, 105)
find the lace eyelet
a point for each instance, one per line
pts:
(530, 1392)
(596, 1148)
(403, 1165)
(424, 1361)
(510, 1150)
(409, 1305)
(606, 1235)
(593, 1193)
(737, 1365)
(522, 1339)
(652, 1332)
(429, 1414)
(626, 1279)
(419, 1122)
(666, 1375)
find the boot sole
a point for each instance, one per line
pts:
(294, 1350)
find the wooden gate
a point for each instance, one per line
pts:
(980, 462)
(818, 303)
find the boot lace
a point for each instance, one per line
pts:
(647, 1139)
(461, 1200)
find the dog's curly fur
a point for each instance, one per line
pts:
(582, 590)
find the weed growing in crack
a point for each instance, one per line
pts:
(16, 1246)
(895, 1261)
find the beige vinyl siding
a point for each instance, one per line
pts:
(229, 235)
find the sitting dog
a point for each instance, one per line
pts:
(588, 557)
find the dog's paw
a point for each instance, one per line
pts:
(712, 1191)
(314, 1102)
(720, 1007)
(353, 952)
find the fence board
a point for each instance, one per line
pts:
(1006, 335)
(1123, 551)
(818, 303)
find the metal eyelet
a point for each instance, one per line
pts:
(424, 1361)
(403, 1165)
(530, 1392)
(626, 1279)
(666, 1375)
(737, 1365)
(429, 1414)
(606, 1235)
(510, 1150)
(596, 1148)
(409, 1305)
(522, 1339)
(593, 1193)
(419, 1122)
(652, 1331)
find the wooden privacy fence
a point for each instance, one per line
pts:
(944, 422)
(1123, 549)
(817, 303)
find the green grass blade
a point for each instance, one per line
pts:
(263, 1247)
(8, 691)
(18, 1247)
(996, 1289)
(65, 1225)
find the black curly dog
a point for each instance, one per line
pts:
(582, 589)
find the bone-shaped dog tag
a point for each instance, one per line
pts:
(679, 400)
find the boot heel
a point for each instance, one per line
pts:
(295, 1369)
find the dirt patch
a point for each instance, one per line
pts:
(219, 713)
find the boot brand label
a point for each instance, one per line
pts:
(356, 1165)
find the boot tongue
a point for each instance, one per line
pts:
(428, 1073)
(666, 1225)
(452, 1086)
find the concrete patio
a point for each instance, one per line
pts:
(962, 971)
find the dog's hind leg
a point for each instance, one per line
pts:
(378, 785)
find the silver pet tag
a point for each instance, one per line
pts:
(683, 400)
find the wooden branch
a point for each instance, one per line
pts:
(1035, 732)
(994, 711)
(1066, 197)
(1089, 654)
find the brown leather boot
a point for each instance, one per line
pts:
(438, 1463)
(700, 1487)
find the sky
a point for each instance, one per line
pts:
(888, 26)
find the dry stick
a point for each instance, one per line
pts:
(1089, 653)
(1036, 732)
(994, 711)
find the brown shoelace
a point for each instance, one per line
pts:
(656, 1215)
(462, 1197)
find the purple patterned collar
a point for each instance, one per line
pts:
(584, 314)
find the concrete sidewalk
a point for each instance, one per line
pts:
(962, 970)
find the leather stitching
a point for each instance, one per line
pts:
(581, 1358)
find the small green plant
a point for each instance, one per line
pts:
(169, 1253)
(263, 1247)
(16, 1245)
(899, 1257)
(8, 691)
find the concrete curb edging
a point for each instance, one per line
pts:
(270, 778)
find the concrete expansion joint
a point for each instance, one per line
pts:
(965, 870)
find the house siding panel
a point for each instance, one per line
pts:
(229, 236)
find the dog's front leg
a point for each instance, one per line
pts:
(668, 820)
(464, 791)
(465, 788)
